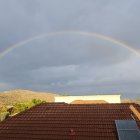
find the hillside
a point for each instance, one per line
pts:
(14, 96)
(11, 97)
(137, 101)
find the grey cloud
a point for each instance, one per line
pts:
(73, 64)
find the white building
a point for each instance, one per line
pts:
(107, 98)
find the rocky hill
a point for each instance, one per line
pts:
(14, 96)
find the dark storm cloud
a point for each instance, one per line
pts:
(69, 63)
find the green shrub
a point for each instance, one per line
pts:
(22, 106)
(37, 101)
(10, 109)
(7, 111)
(4, 115)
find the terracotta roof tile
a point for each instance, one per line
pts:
(88, 102)
(52, 121)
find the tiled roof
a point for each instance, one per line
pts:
(53, 121)
(88, 102)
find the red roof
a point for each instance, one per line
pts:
(60, 121)
(88, 102)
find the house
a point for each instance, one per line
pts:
(61, 121)
(105, 98)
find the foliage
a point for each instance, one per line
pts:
(7, 111)
(22, 106)
(4, 115)
(14, 96)
(37, 101)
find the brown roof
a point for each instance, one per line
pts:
(67, 122)
(88, 102)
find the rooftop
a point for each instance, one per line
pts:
(106, 98)
(61, 121)
(88, 102)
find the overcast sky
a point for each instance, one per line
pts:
(70, 63)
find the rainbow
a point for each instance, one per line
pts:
(100, 36)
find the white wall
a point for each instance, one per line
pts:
(107, 98)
